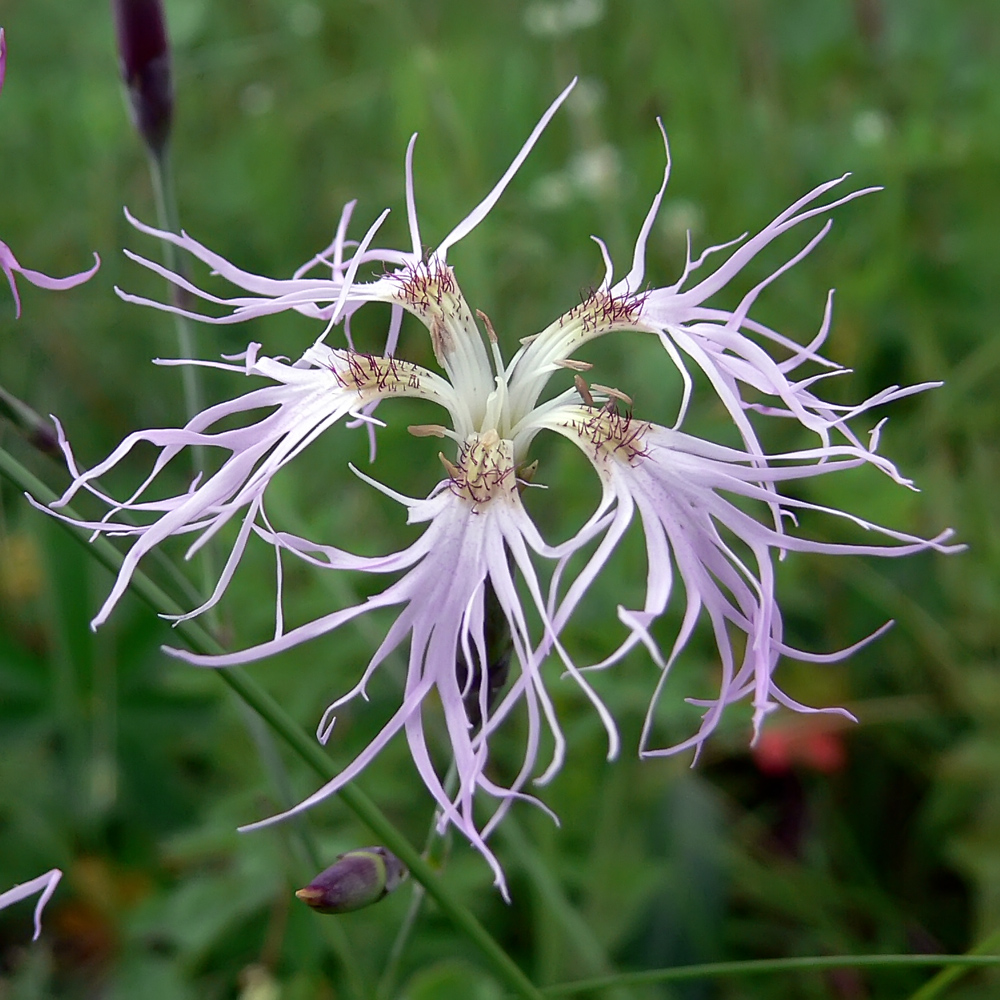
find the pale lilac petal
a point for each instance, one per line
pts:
(10, 267)
(44, 884)
(440, 602)
(483, 208)
(677, 482)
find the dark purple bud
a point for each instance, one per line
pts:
(358, 878)
(3, 57)
(144, 58)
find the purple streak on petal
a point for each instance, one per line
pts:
(303, 404)
(440, 602)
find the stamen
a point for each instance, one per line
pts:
(574, 366)
(581, 388)
(613, 393)
(489, 326)
(453, 471)
(610, 433)
(427, 430)
(527, 472)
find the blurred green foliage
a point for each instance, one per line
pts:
(131, 772)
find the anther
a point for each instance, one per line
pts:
(581, 388)
(427, 430)
(489, 326)
(575, 366)
(527, 472)
(613, 393)
(453, 471)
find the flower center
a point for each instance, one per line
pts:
(485, 468)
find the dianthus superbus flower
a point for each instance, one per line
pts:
(713, 515)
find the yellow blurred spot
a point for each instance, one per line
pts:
(21, 576)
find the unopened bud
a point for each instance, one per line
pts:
(3, 57)
(144, 58)
(357, 879)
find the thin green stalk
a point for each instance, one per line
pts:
(302, 846)
(935, 986)
(814, 963)
(288, 729)
(38, 431)
(168, 219)
(385, 989)
(590, 955)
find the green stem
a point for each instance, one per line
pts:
(590, 956)
(288, 729)
(935, 986)
(814, 963)
(302, 846)
(386, 988)
(168, 219)
(38, 431)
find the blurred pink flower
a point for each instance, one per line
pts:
(474, 571)
(8, 262)
(10, 267)
(44, 884)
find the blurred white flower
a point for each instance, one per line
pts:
(554, 19)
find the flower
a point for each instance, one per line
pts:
(8, 262)
(45, 884)
(472, 578)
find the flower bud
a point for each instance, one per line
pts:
(3, 57)
(144, 58)
(357, 879)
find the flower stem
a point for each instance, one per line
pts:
(811, 963)
(288, 729)
(386, 988)
(162, 178)
(36, 430)
(936, 985)
(168, 219)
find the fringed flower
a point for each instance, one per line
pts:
(480, 598)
